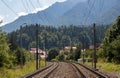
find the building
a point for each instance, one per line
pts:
(41, 53)
(91, 47)
(69, 48)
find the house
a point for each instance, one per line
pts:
(69, 48)
(41, 53)
(91, 47)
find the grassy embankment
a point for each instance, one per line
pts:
(107, 67)
(17, 72)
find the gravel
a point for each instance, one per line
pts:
(65, 70)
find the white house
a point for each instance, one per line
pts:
(41, 53)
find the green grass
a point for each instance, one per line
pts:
(17, 72)
(111, 67)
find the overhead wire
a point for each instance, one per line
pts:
(27, 8)
(32, 4)
(88, 2)
(101, 6)
(39, 17)
(45, 14)
(9, 7)
(26, 1)
(24, 6)
(89, 12)
(39, 3)
(90, 7)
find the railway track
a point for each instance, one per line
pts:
(87, 72)
(44, 72)
(66, 70)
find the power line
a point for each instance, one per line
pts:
(87, 16)
(45, 16)
(89, 12)
(26, 1)
(88, 2)
(32, 4)
(101, 4)
(24, 6)
(39, 3)
(39, 17)
(9, 7)
(43, 11)
(38, 14)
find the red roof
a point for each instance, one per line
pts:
(33, 50)
(92, 47)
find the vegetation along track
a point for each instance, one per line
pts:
(44, 72)
(88, 72)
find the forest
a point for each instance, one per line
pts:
(110, 48)
(56, 37)
(49, 37)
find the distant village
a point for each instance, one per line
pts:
(43, 54)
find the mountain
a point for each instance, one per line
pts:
(42, 17)
(77, 12)
(85, 13)
(110, 15)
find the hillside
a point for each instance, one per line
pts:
(101, 13)
(71, 12)
(57, 37)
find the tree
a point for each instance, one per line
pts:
(5, 58)
(61, 57)
(52, 54)
(12, 41)
(22, 54)
(77, 52)
(56, 37)
(115, 50)
(110, 48)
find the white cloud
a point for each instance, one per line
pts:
(61, 0)
(1, 20)
(40, 9)
(2, 24)
(49, 2)
(1, 17)
(22, 14)
(10, 0)
(46, 4)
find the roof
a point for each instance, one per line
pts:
(92, 47)
(69, 48)
(33, 50)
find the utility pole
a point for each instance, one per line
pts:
(21, 55)
(94, 55)
(45, 49)
(83, 48)
(83, 53)
(37, 60)
(71, 49)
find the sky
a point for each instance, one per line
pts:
(12, 9)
